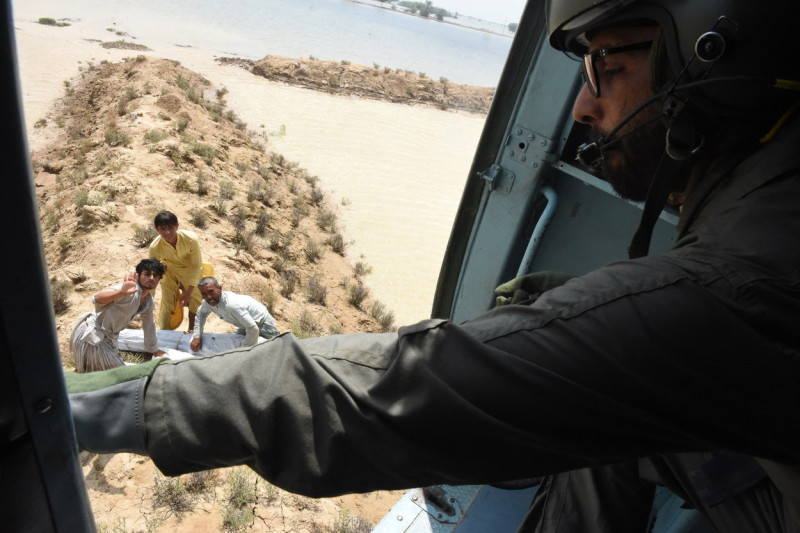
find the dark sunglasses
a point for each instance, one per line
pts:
(589, 71)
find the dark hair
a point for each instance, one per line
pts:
(207, 280)
(165, 218)
(152, 265)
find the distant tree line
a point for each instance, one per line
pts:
(424, 9)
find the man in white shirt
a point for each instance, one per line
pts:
(94, 337)
(249, 315)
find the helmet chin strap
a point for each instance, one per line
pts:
(681, 144)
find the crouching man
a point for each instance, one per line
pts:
(250, 316)
(94, 337)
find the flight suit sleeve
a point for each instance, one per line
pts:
(595, 372)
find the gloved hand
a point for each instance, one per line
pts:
(529, 286)
(108, 408)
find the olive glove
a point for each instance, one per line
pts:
(529, 287)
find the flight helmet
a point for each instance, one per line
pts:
(732, 58)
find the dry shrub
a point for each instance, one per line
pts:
(317, 291)
(337, 244)
(361, 269)
(326, 220)
(198, 217)
(143, 235)
(172, 494)
(59, 292)
(241, 495)
(382, 316)
(263, 222)
(306, 326)
(289, 281)
(356, 294)
(202, 184)
(313, 251)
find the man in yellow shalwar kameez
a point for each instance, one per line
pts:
(180, 251)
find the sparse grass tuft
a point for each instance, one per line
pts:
(263, 222)
(289, 280)
(202, 482)
(326, 220)
(116, 137)
(382, 316)
(172, 494)
(254, 191)
(242, 495)
(239, 217)
(182, 184)
(313, 251)
(154, 135)
(297, 216)
(220, 206)
(206, 152)
(143, 235)
(305, 326)
(198, 217)
(244, 241)
(81, 198)
(227, 190)
(337, 244)
(77, 277)
(347, 523)
(181, 124)
(317, 196)
(202, 184)
(361, 269)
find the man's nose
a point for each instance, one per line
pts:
(587, 108)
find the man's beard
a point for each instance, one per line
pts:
(629, 166)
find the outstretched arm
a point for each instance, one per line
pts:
(199, 323)
(582, 377)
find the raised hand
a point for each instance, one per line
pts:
(130, 284)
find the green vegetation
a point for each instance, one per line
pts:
(425, 9)
(116, 137)
(347, 523)
(242, 488)
(48, 21)
(155, 135)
